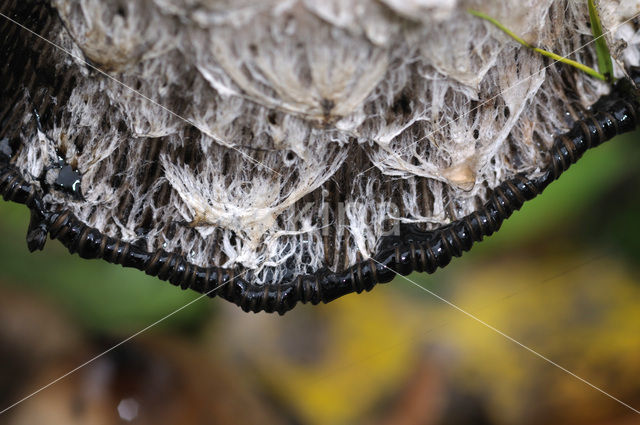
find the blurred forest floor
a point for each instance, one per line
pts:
(562, 276)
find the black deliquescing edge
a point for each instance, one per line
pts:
(411, 250)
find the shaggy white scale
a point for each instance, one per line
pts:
(286, 137)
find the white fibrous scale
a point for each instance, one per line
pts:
(278, 135)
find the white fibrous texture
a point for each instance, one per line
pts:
(278, 135)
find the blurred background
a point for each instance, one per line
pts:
(562, 276)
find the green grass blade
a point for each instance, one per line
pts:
(605, 64)
(543, 52)
(497, 23)
(578, 65)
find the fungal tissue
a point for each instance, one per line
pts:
(289, 136)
